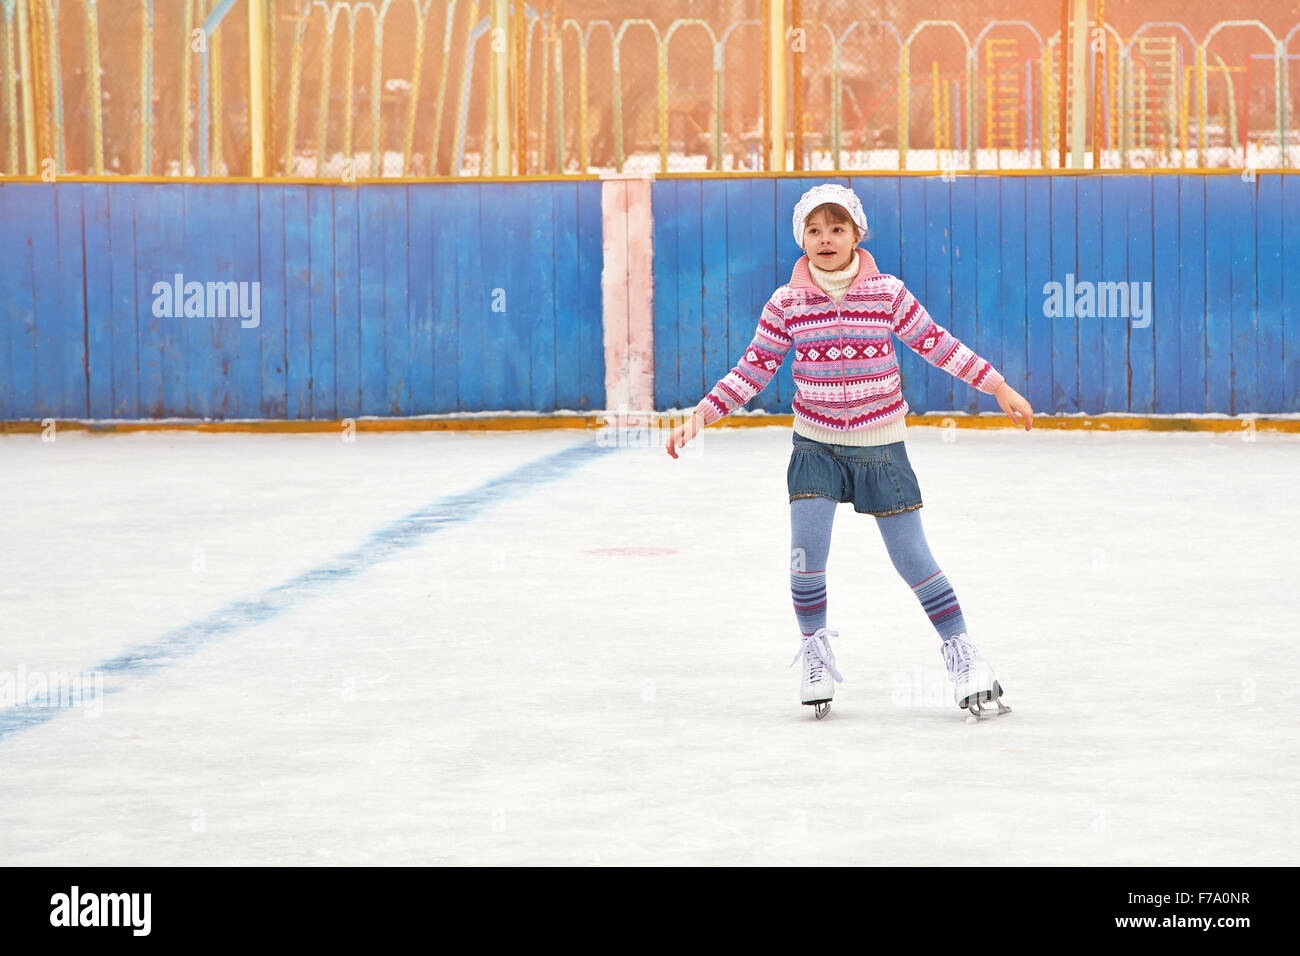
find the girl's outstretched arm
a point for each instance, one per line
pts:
(917, 330)
(755, 368)
(930, 340)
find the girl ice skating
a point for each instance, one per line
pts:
(840, 316)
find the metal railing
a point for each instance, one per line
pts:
(599, 95)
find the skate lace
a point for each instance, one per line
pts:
(959, 655)
(814, 645)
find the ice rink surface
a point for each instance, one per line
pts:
(552, 647)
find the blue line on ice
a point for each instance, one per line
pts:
(383, 544)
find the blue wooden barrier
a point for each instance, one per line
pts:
(374, 299)
(1220, 253)
(378, 299)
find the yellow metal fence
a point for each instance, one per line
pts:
(394, 88)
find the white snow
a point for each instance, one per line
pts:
(592, 668)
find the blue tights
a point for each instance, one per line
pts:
(810, 545)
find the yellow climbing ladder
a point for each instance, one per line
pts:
(1003, 94)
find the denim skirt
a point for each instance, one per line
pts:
(878, 479)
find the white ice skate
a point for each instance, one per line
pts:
(819, 673)
(974, 682)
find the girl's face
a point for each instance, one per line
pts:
(829, 244)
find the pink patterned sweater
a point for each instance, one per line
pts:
(847, 383)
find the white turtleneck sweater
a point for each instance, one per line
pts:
(836, 285)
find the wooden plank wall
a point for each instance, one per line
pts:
(1225, 321)
(378, 299)
(375, 299)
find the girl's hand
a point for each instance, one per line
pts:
(1014, 403)
(684, 433)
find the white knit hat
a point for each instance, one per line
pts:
(828, 192)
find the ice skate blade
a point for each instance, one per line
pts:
(820, 707)
(979, 712)
(984, 696)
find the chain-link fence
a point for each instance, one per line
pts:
(391, 88)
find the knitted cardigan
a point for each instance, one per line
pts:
(848, 390)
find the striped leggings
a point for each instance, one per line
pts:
(810, 544)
